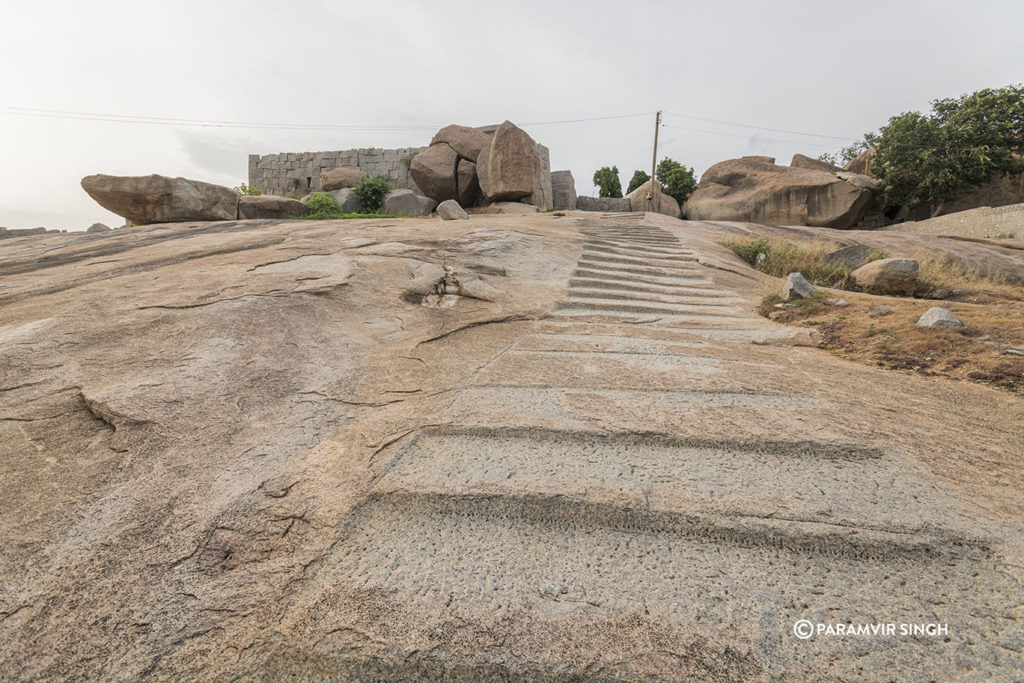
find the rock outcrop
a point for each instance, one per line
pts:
(895, 275)
(563, 190)
(159, 199)
(339, 178)
(753, 190)
(435, 171)
(407, 203)
(861, 164)
(270, 206)
(663, 203)
(467, 142)
(510, 166)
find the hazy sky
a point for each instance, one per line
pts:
(829, 68)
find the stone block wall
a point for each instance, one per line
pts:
(299, 172)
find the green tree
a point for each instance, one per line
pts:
(676, 180)
(959, 146)
(371, 192)
(607, 181)
(638, 179)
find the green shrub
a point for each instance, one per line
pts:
(607, 181)
(244, 190)
(323, 206)
(371, 192)
(638, 179)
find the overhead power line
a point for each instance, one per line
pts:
(774, 130)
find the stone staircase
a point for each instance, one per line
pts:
(643, 478)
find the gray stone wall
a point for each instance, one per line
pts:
(299, 172)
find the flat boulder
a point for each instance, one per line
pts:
(270, 206)
(434, 171)
(753, 190)
(563, 190)
(450, 210)
(638, 200)
(339, 178)
(893, 275)
(605, 204)
(509, 167)
(407, 203)
(939, 317)
(467, 142)
(159, 199)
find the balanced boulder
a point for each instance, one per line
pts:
(450, 210)
(895, 275)
(467, 142)
(434, 170)
(642, 199)
(338, 178)
(563, 190)
(407, 203)
(754, 190)
(270, 206)
(509, 167)
(159, 199)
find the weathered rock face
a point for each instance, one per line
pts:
(270, 206)
(563, 190)
(665, 204)
(541, 197)
(861, 164)
(469, 187)
(606, 204)
(407, 203)
(752, 190)
(434, 171)
(449, 210)
(467, 142)
(159, 199)
(896, 275)
(347, 200)
(803, 161)
(338, 178)
(509, 167)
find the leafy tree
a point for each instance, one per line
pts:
(638, 179)
(959, 146)
(371, 192)
(244, 190)
(676, 180)
(607, 181)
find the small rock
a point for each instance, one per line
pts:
(786, 306)
(939, 294)
(450, 210)
(877, 311)
(1014, 351)
(939, 317)
(797, 287)
(839, 303)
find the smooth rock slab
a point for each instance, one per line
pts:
(939, 317)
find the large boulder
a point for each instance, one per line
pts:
(407, 203)
(663, 203)
(803, 161)
(563, 190)
(159, 199)
(509, 167)
(338, 178)
(467, 142)
(541, 196)
(434, 170)
(270, 206)
(468, 185)
(605, 204)
(753, 190)
(895, 275)
(861, 164)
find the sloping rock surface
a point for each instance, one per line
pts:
(504, 448)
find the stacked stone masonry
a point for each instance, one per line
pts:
(290, 173)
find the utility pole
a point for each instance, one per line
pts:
(653, 196)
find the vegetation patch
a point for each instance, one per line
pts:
(323, 206)
(779, 258)
(371, 192)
